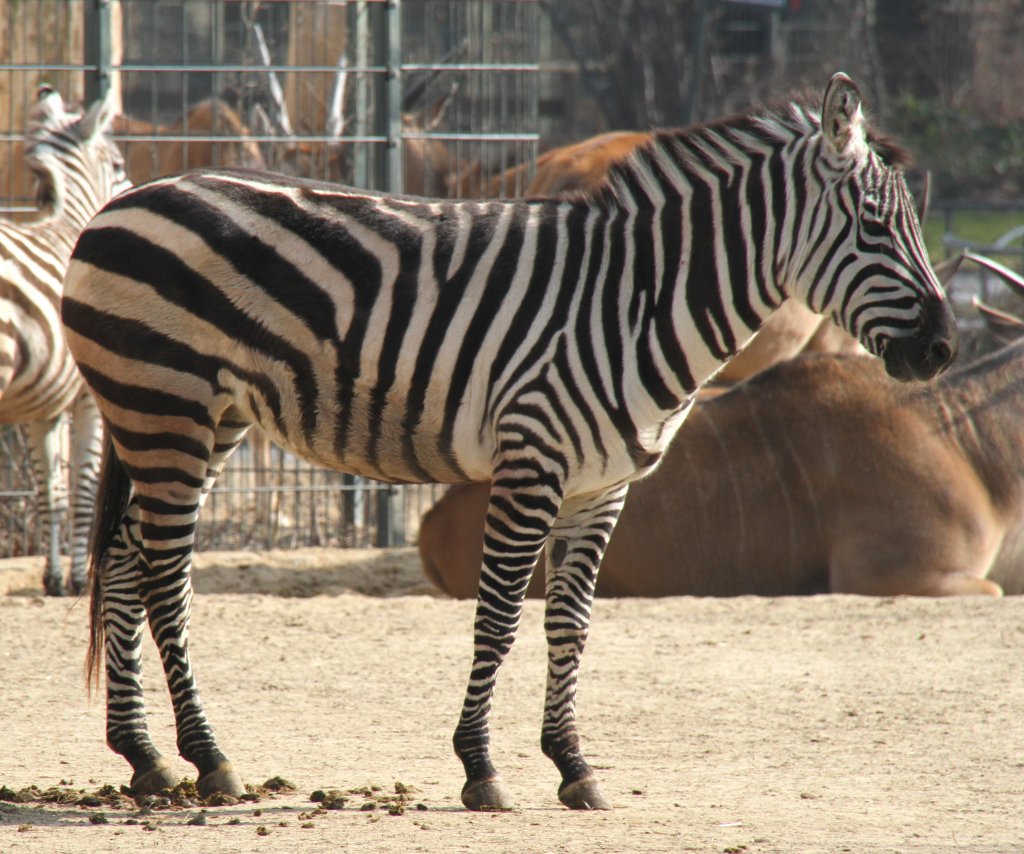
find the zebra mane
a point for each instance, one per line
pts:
(800, 115)
(727, 138)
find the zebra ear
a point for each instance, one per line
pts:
(48, 110)
(842, 120)
(99, 116)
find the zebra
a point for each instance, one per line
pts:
(78, 169)
(551, 346)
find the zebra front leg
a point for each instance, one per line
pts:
(86, 452)
(517, 525)
(51, 496)
(577, 543)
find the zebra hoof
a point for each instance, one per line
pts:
(154, 779)
(487, 796)
(53, 585)
(221, 781)
(583, 795)
(79, 585)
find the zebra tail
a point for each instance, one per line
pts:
(113, 494)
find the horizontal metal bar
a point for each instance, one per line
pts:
(169, 68)
(327, 2)
(477, 137)
(231, 138)
(468, 136)
(472, 66)
(194, 69)
(327, 487)
(226, 138)
(164, 68)
(49, 66)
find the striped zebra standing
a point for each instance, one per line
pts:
(552, 347)
(78, 169)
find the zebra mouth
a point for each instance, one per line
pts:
(913, 359)
(45, 192)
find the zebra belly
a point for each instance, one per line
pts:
(386, 452)
(382, 436)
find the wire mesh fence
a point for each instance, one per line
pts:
(19, 533)
(290, 503)
(266, 498)
(415, 96)
(412, 97)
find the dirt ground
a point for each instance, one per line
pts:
(825, 724)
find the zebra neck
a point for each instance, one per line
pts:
(61, 230)
(65, 212)
(705, 222)
(688, 311)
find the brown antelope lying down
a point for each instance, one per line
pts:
(820, 474)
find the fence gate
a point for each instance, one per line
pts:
(427, 97)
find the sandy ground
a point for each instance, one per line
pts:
(825, 724)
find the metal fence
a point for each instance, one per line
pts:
(433, 96)
(417, 96)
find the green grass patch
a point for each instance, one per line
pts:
(978, 226)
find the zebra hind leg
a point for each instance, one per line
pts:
(575, 548)
(52, 500)
(147, 573)
(86, 452)
(123, 616)
(514, 533)
(169, 525)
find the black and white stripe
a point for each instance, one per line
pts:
(78, 170)
(549, 346)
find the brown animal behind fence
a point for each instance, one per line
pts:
(148, 159)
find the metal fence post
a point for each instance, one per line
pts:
(396, 182)
(97, 49)
(384, 538)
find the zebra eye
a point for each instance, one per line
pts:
(872, 217)
(117, 163)
(869, 208)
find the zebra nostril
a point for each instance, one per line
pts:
(941, 353)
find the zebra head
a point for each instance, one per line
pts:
(76, 164)
(863, 261)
